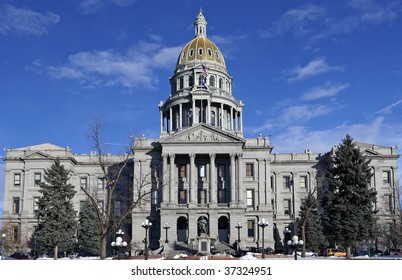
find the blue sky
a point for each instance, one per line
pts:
(309, 72)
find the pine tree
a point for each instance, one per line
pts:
(57, 218)
(310, 224)
(88, 229)
(348, 215)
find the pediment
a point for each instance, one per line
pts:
(202, 133)
(37, 155)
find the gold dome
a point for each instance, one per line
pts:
(200, 49)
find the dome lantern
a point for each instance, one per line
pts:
(200, 25)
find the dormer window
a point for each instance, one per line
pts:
(191, 52)
(200, 51)
(209, 52)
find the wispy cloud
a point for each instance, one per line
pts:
(315, 67)
(389, 108)
(296, 20)
(23, 21)
(327, 90)
(92, 6)
(133, 68)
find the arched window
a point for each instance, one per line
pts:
(221, 83)
(212, 81)
(213, 121)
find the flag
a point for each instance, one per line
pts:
(204, 77)
(111, 183)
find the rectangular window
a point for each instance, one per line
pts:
(201, 170)
(16, 205)
(17, 180)
(250, 198)
(250, 228)
(101, 183)
(84, 182)
(36, 205)
(14, 234)
(222, 196)
(303, 181)
(182, 197)
(386, 177)
(286, 207)
(286, 182)
(37, 179)
(249, 169)
(182, 171)
(389, 202)
(221, 171)
(272, 182)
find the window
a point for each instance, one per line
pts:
(221, 171)
(36, 205)
(250, 228)
(182, 197)
(200, 80)
(250, 198)
(389, 202)
(249, 169)
(101, 183)
(286, 182)
(14, 233)
(16, 205)
(303, 181)
(221, 83)
(213, 118)
(286, 207)
(222, 196)
(17, 180)
(190, 81)
(181, 82)
(200, 51)
(83, 182)
(212, 81)
(201, 170)
(117, 208)
(209, 52)
(386, 177)
(182, 171)
(37, 179)
(272, 182)
(191, 52)
(273, 204)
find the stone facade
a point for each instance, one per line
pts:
(201, 167)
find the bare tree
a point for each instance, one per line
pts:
(120, 185)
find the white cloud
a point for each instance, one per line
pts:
(327, 90)
(389, 108)
(315, 67)
(92, 6)
(133, 68)
(23, 21)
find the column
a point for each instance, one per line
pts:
(195, 119)
(161, 120)
(236, 126)
(231, 118)
(232, 178)
(193, 187)
(165, 190)
(212, 179)
(240, 177)
(221, 117)
(241, 121)
(180, 115)
(171, 119)
(172, 197)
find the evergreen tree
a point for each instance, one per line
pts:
(310, 224)
(348, 215)
(57, 218)
(88, 229)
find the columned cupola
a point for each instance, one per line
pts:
(201, 89)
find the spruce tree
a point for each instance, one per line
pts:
(349, 215)
(310, 224)
(57, 218)
(88, 229)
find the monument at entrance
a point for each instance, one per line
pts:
(204, 241)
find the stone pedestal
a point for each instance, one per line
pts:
(204, 245)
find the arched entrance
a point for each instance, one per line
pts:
(182, 229)
(223, 229)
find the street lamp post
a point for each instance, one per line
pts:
(294, 243)
(166, 227)
(119, 243)
(263, 224)
(286, 233)
(238, 226)
(3, 236)
(146, 224)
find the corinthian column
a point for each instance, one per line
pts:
(193, 187)
(212, 179)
